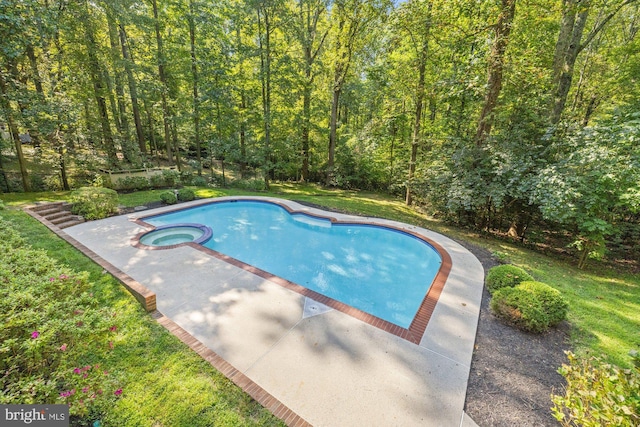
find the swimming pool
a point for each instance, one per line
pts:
(379, 270)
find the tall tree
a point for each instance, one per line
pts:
(570, 44)
(133, 88)
(311, 39)
(419, 33)
(194, 75)
(162, 75)
(96, 73)
(128, 149)
(351, 18)
(502, 29)
(13, 129)
(266, 12)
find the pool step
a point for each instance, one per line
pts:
(57, 213)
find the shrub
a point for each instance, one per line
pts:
(200, 181)
(186, 195)
(51, 323)
(505, 276)
(186, 178)
(165, 179)
(171, 178)
(597, 394)
(169, 198)
(250, 184)
(531, 306)
(94, 202)
(133, 183)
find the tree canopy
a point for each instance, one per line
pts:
(493, 113)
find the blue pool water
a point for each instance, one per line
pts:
(379, 270)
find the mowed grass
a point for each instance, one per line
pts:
(604, 303)
(167, 383)
(164, 382)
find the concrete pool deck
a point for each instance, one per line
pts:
(327, 367)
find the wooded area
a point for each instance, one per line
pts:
(495, 114)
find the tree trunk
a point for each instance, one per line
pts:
(166, 114)
(133, 90)
(37, 81)
(128, 149)
(574, 19)
(265, 78)
(15, 135)
(349, 29)
(194, 74)
(242, 117)
(307, 34)
(306, 123)
(333, 135)
(569, 46)
(99, 90)
(152, 133)
(415, 139)
(496, 67)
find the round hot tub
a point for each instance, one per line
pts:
(175, 234)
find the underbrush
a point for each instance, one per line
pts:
(598, 394)
(52, 324)
(74, 336)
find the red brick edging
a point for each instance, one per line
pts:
(413, 333)
(148, 300)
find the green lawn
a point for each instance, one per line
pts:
(168, 383)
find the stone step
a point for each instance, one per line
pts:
(55, 215)
(44, 206)
(62, 219)
(72, 222)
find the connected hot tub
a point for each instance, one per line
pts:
(175, 234)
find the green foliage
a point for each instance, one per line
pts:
(165, 179)
(94, 202)
(597, 177)
(598, 394)
(186, 195)
(199, 181)
(531, 306)
(169, 198)
(134, 183)
(50, 322)
(146, 362)
(505, 276)
(2, 206)
(635, 356)
(250, 184)
(171, 178)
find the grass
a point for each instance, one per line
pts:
(168, 382)
(164, 382)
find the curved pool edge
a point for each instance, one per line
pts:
(438, 368)
(416, 329)
(207, 233)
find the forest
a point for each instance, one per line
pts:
(518, 118)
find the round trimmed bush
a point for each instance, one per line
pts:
(168, 197)
(504, 276)
(186, 195)
(531, 306)
(94, 202)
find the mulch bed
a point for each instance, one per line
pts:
(513, 373)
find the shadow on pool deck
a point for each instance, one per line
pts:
(329, 369)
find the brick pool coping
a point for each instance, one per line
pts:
(147, 299)
(413, 333)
